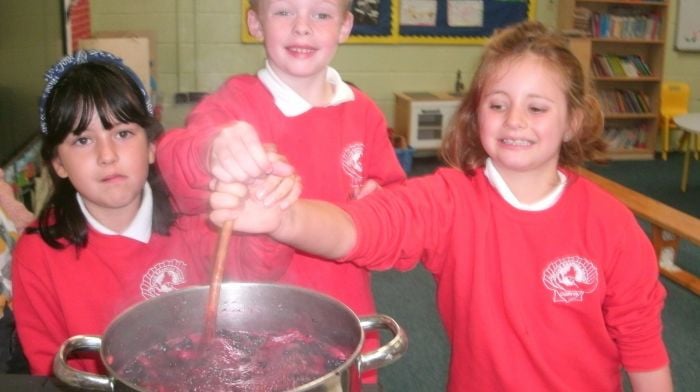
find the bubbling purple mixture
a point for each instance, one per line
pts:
(233, 361)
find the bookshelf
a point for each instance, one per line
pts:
(621, 47)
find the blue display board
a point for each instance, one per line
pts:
(429, 21)
(439, 21)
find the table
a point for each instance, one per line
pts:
(690, 124)
(27, 383)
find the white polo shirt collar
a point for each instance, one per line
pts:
(292, 104)
(140, 227)
(497, 181)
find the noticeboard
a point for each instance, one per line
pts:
(427, 21)
(688, 26)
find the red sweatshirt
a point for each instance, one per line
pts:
(553, 300)
(59, 294)
(333, 149)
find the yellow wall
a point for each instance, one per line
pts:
(199, 46)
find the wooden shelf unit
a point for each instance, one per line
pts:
(588, 43)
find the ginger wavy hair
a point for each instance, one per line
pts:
(462, 147)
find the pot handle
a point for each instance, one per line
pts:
(78, 378)
(388, 353)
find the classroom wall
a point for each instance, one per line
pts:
(199, 46)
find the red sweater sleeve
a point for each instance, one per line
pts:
(182, 153)
(259, 258)
(634, 301)
(181, 158)
(420, 214)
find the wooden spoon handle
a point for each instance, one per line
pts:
(216, 278)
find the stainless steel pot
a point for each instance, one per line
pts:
(242, 307)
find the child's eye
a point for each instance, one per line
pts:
(282, 12)
(124, 133)
(81, 141)
(496, 106)
(538, 109)
(323, 16)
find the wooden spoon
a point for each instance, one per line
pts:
(216, 278)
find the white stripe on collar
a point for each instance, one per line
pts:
(140, 227)
(497, 181)
(292, 104)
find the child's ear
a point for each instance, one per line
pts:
(346, 27)
(151, 153)
(575, 125)
(254, 26)
(58, 167)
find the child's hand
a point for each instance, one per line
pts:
(275, 190)
(237, 155)
(256, 207)
(281, 189)
(227, 201)
(250, 214)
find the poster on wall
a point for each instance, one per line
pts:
(76, 20)
(688, 26)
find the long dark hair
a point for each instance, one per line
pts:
(105, 89)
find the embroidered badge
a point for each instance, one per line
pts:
(352, 163)
(570, 278)
(162, 278)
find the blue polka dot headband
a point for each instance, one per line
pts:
(56, 72)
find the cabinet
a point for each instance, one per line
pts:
(621, 46)
(423, 117)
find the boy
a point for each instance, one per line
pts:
(332, 133)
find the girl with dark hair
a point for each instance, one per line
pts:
(107, 237)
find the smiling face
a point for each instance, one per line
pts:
(300, 36)
(523, 117)
(108, 167)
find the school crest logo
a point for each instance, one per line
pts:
(162, 278)
(351, 160)
(569, 278)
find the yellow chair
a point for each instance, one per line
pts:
(675, 97)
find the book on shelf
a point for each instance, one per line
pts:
(621, 66)
(621, 137)
(644, 99)
(640, 64)
(625, 22)
(616, 65)
(628, 67)
(624, 101)
(600, 66)
(582, 19)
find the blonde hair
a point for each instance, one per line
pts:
(255, 5)
(462, 147)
